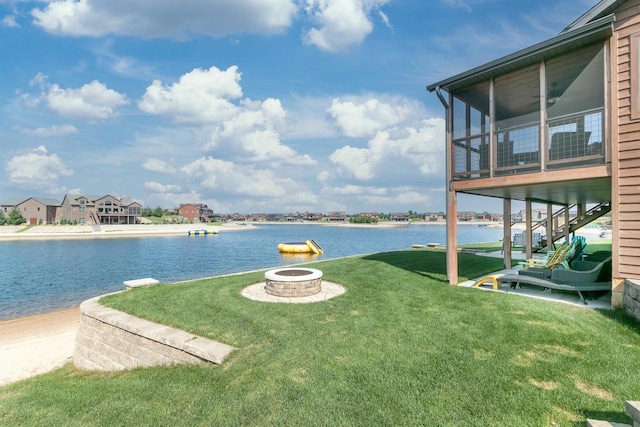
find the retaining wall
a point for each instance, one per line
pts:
(110, 340)
(631, 299)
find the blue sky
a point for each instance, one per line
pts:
(246, 105)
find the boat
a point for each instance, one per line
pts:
(306, 247)
(201, 232)
(417, 246)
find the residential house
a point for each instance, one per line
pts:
(556, 123)
(35, 210)
(337, 216)
(433, 216)
(466, 216)
(96, 210)
(312, 216)
(195, 212)
(399, 216)
(275, 217)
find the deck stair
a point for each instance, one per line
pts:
(95, 218)
(575, 222)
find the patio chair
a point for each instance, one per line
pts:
(564, 257)
(582, 278)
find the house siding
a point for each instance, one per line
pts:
(625, 149)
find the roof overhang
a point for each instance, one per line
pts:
(590, 33)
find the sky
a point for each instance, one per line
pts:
(252, 106)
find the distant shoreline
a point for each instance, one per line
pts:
(53, 232)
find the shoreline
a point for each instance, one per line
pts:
(69, 232)
(36, 344)
(49, 232)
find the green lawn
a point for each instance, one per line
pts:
(400, 347)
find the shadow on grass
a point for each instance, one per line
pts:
(610, 416)
(433, 263)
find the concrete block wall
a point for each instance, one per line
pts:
(109, 340)
(631, 299)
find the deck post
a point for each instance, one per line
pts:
(527, 233)
(506, 238)
(549, 227)
(567, 218)
(452, 237)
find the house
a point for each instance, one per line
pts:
(337, 216)
(399, 216)
(92, 209)
(312, 216)
(195, 212)
(35, 210)
(433, 216)
(466, 216)
(556, 123)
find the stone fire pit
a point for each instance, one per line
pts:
(293, 282)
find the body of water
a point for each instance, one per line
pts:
(45, 275)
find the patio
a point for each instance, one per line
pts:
(596, 301)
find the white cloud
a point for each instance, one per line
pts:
(37, 171)
(201, 96)
(401, 151)
(225, 177)
(91, 101)
(51, 131)
(358, 163)
(9, 21)
(356, 190)
(399, 199)
(157, 165)
(462, 4)
(174, 19)
(342, 23)
(364, 117)
(161, 188)
(252, 135)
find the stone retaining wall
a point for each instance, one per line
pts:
(109, 340)
(631, 299)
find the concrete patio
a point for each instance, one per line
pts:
(596, 301)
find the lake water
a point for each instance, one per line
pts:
(45, 275)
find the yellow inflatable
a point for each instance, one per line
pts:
(307, 247)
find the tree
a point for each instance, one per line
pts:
(146, 212)
(3, 219)
(15, 217)
(157, 212)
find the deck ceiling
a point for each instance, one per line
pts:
(595, 190)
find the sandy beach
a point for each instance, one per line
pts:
(19, 232)
(36, 344)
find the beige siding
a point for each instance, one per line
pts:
(626, 159)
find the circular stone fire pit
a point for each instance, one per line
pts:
(293, 282)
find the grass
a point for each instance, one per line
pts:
(399, 348)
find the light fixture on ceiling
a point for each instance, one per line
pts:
(553, 95)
